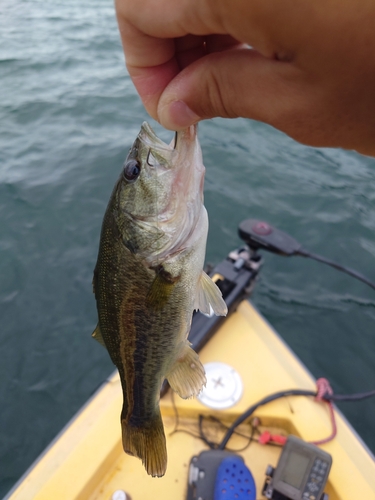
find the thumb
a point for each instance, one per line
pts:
(230, 84)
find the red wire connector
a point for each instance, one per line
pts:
(266, 437)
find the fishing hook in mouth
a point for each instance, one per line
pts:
(175, 140)
(149, 154)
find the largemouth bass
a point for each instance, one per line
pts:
(148, 280)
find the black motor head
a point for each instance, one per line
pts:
(259, 234)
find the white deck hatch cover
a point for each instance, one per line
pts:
(224, 386)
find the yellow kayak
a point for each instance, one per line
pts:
(246, 361)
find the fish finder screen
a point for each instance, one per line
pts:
(295, 468)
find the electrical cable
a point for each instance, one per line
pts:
(322, 394)
(350, 397)
(327, 397)
(202, 434)
(355, 274)
(250, 411)
(213, 445)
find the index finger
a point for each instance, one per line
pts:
(148, 38)
(150, 62)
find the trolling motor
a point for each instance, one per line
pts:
(237, 274)
(261, 235)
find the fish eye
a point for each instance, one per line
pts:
(131, 171)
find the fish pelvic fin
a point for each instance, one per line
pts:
(148, 444)
(209, 299)
(187, 376)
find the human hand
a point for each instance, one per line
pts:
(310, 72)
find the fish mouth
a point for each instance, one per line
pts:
(150, 139)
(182, 139)
(185, 138)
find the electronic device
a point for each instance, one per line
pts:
(219, 475)
(301, 473)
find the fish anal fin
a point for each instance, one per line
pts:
(161, 288)
(147, 443)
(187, 376)
(97, 335)
(209, 299)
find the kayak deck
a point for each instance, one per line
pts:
(86, 460)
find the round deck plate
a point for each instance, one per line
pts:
(224, 386)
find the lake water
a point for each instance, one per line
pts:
(68, 114)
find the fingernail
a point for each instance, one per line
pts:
(177, 115)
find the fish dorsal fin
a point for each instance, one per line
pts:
(187, 376)
(209, 299)
(97, 335)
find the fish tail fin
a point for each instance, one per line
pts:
(148, 444)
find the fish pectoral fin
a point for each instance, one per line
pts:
(161, 288)
(187, 376)
(209, 299)
(147, 443)
(97, 335)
